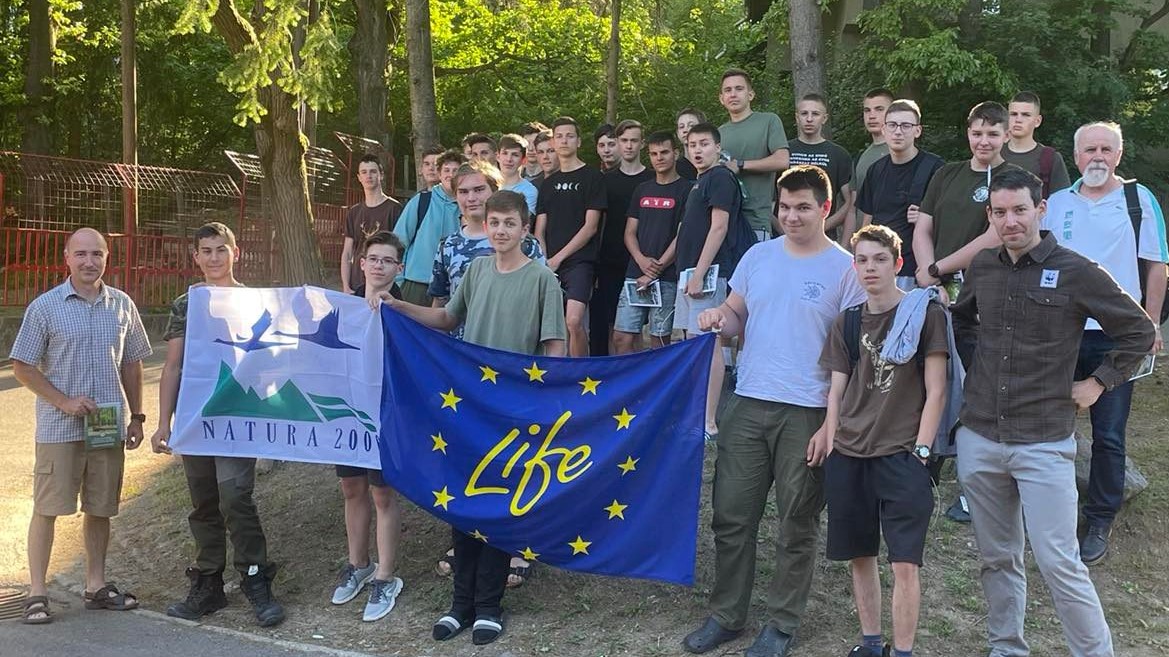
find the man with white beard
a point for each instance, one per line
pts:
(1093, 217)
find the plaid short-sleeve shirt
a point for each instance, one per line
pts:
(80, 347)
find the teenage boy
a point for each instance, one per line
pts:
(420, 235)
(1024, 152)
(381, 260)
(1027, 302)
(654, 214)
(687, 118)
(873, 108)
(785, 294)
(512, 152)
(606, 143)
(430, 175)
(881, 422)
(811, 147)
(220, 486)
(506, 301)
(478, 146)
(612, 256)
(531, 166)
(569, 214)
(897, 182)
(758, 148)
(376, 212)
(545, 158)
(713, 203)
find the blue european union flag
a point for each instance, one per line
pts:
(589, 464)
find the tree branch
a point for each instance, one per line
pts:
(235, 30)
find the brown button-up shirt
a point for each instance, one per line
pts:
(1028, 317)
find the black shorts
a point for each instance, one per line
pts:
(576, 279)
(375, 476)
(868, 497)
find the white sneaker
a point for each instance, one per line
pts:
(351, 581)
(382, 596)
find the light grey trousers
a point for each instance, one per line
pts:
(1031, 486)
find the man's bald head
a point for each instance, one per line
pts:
(85, 254)
(87, 238)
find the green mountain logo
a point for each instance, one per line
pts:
(288, 403)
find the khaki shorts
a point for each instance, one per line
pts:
(63, 470)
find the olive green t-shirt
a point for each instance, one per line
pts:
(956, 199)
(1030, 161)
(754, 138)
(514, 312)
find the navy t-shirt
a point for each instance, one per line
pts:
(887, 194)
(565, 197)
(658, 209)
(716, 188)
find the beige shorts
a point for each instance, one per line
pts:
(63, 470)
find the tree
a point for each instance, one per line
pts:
(423, 106)
(369, 51)
(612, 67)
(38, 83)
(807, 63)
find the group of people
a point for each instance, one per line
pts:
(836, 279)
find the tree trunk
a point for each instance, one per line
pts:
(423, 111)
(369, 49)
(612, 82)
(38, 82)
(807, 64)
(129, 70)
(1101, 44)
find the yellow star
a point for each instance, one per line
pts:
(488, 374)
(589, 385)
(623, 419)
(439, 443)
(477, 534)
(616, 510)
(628, 466)
(528, 555)
(580, 546)
(450, 400)
(441, 497)
(535, 373)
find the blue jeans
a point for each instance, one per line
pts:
(1109, 420)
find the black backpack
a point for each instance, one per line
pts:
(1133, 201)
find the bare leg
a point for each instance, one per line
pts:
(906, 604)
(578, 336)
(357, 515)
(97, 543)
(40, 546)
(388, 530)
(625, 343)
(866, 592)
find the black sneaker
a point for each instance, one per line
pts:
(257, 586)
(205, 597)
(708, 637)
(1094, 546)
(959, 511)
(865, 651)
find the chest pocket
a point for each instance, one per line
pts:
(1048, 315)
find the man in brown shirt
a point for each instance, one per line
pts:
(1028, 302)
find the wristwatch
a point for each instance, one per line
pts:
(933, 270)
(138, 417)
(921, 451)
(740, 163)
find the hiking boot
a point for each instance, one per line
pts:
(257, 586)
(1094, 546)
(206, 596)
(350, 582)
(959, 511)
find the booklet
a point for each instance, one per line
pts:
(708, 282)
(103, 427)
(649, 296)
(1146, 367)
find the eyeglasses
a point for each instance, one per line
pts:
(385, 262)
(893, 126)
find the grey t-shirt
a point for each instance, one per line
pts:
(514, 312)
(1030, 161)
(754, 138)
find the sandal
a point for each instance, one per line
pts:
(109, 597)
(446, 563)
(36, 611)
(517, 574)
(448, 626)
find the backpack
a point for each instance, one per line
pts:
(423, 208)
(1046, 164)
(1133, 200)
(739, 236)
(955, 376)
(921, 178)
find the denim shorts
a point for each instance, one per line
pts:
(630, 319)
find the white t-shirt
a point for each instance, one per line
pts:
(791, 303)
(1101, 230)
(530, 193)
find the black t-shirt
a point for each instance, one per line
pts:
(717, 188)
(658, 209)
(395, 291)
(686, 168)
(887, 193)
(619, 188)
(832, 158)
(565, 197)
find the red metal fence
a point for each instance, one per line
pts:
(43, 199)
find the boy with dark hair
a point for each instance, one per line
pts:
(377, 211)
(1023, 151)
(687, 118)
(811, 147)
(529, 131)
(524, 301)
(478, 146)
(430, 176)
(568, 218)
(512, 152)
(545, 158)
(758, 147)
(428, 217)
(873, 108)
(606, 143)
(881, 421)
(220, 486)
(381, 260)
(654, 214)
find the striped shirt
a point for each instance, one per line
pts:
(80, 347)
